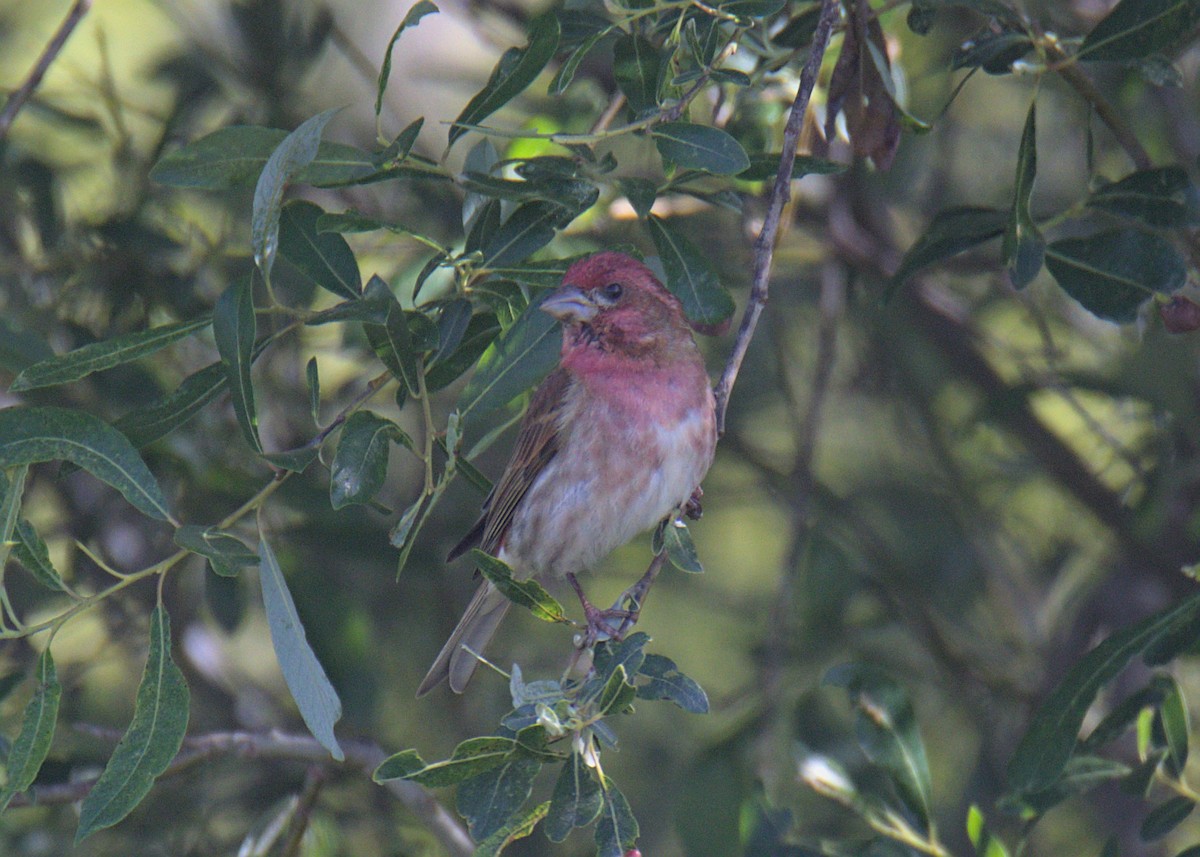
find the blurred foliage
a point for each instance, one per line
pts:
(264, 333)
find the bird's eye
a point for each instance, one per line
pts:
(611, 293)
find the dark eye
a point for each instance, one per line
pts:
(611, 293)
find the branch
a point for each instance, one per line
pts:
(1082, 84)
(21, 95)
(764, 245)
(361, 756)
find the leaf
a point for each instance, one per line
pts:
(1113, 273)
(1166, 817)
(32, 435)
(765, 165)
(618, 693)
(527, 230)
(681, 551)
(481, 331)
(33, 555)
(234, 329)
(577, 799)
(360, 463)
(520, 358)
(305, 677)
(566, 71)
(312, 379)
(29, 750)
(951, 232)
(488, 800)
(323, 258)
(637, 67)
(413, 17)
(1173, 713)
(887, 731)
(516, 828)
(667, 682)
(690, 277)
(1138, 28)
(296, 152)
(1081, 774)
(146, 424)
(234, 157)
(700, 147)
(1051, 737)
(404, 534)
(103, 355)
(1162, 196)
(526, 593)
(626, 654)
(994, 52)
(154, 736)
(517, 68)
(392, 340)
(226, 553)
(617, 830)
(1024, 248)
(471, 757)
(860, 90)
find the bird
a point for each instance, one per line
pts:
(613, 441)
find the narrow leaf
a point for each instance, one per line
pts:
(1163, 197)
(315, 697)
(234, 329)
(413, 17)
(951, 232)
(517, 68)
(1135, 29)
(31, 435)
(617, 830)
(1023, 247)
(1173, 713)
(1166, 817)
(765, 166)
(103, 355)
(296, 152)
(700, 147)
(1113, 273)
(566, 71)
(226, 553)
(160, 717)
(527, 230)
(577, 799)
(637, 67)
(29, 749)
(520, 358)
(312, 378)
(148, 423)
(526, 593)
(360, 463)
(33, 555)
(323, 258)
(690, 277)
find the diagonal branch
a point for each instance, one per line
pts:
(781, 193)
(22, 94)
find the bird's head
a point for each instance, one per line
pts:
(610, 303)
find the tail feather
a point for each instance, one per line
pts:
(474, 631)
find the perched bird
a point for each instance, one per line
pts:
(614, 439)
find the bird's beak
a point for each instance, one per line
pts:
(569, 304)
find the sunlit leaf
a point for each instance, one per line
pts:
(526, 593)
(471, 757)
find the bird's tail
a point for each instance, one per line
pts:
(474, 631)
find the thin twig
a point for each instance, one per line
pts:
(764, 245)
(1082, 84)
(361, 756)
(22, 94)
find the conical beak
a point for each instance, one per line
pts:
(569, 304)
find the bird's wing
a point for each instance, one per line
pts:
(536, 445)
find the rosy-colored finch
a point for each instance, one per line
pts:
(614, 439)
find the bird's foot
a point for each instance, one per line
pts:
(692, 508)
(610, 624)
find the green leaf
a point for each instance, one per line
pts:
(33, 555)
(312, 378)
(765, 165)
(415, 13)
(470, 758)
(37, 730)
(518, 827)
(577, 799)
(315, 697)
(296, 460)
(690, 277)
(11, 495)
(641, 194)
(617, 830)
(234, 329)
(626, 654)
(360, 463)
(994, 52)
(566, 71)
(31, 435)
(1024, 248)
(148, 423)
(1118, 720)
(488, 800)
(681, 551)
(234, 157)
(1081, 774)
(527, 230)
(526, 593)
(887, 731)
(226, 553)
(1138, 28)
(351, 221)
(517, 68)
(951, 232)
(103, 355)
(618, 693)
(323, 258)
(1162, 196)
(481, 331)
(1113, 273)
(296, 152)
(1173, 713)
(667, 682)
(160, 718)
(1051, 737)
(700, 147)
(638, 67)
(392, 340)
(404, 534)
(520, 358)
(1166, 817)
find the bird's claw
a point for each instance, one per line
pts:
(692, 508)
